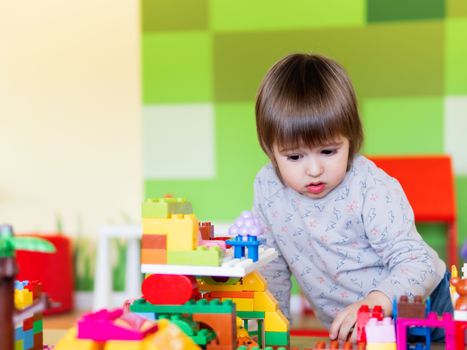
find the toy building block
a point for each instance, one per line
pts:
(181, 230)
(414, 309)
(275, 322)
(207, 230)
(245, 229)
(106, 325)
(201, 256)
(153, 256)
(154, 242)
(229, 267)
(363, 315)
(333, 344)
(169, 289)
(380, 331)
(190, 307)
(432, 321)
(165, 207)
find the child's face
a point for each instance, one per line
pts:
(314, 172)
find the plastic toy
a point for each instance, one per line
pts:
(115, 330)
(460, 306)
(246, 229)
(9, 315)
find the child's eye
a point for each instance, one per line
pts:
(328, 152)
(294, 157)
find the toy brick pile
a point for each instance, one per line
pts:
(28, 333)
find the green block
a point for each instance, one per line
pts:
(165, 207)
(171, 15)
(202, 256)
(461, 199)
(260, 15)
(456, 56)
(190, 328)
(250, 314)
(398, 10)
(277, 338)
(37, 326)
(393, 125)
(396, 59)
(201, 306)
(177, 67)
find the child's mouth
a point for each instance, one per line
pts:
(315, 188)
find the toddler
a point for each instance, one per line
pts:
(341, 225)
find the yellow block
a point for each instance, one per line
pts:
(23, 298)
(265, 301)
(181, 230)
(275, 322)
(242, 304)
(254, 282)
(381, 346)
(69, 341)
(125, 345)
(169, 336)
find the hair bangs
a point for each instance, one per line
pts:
(295, 131)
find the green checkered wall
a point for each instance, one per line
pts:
(203, 60)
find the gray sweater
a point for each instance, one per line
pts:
(358, 238)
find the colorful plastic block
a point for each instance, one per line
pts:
(229, 268)
(380, 331)
(202, 256)
(169, 289)
(154, 242)
(104, 325)
(181, 230)
(164, 207)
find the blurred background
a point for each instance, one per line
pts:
(104, 103)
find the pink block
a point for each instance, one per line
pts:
(380, 331)
(102, 326)
(432, 321)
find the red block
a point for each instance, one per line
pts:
(54, 271)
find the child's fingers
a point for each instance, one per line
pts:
(346, 328)
(335, 326)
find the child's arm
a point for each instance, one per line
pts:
(343, 325)
(411, 266)
(277, 272)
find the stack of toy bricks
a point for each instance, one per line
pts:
(170, 235)
(28, 334)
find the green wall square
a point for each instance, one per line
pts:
(397, 10)
(238, 158)
(461, 200)
(170, 15)
(260, 15)
(456, 56)
(403, 125)
(177, 67)
(457, 8)
(382, 60)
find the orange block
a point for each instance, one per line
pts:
(154, 242)
(153, 256)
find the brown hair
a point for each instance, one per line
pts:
(306, 99)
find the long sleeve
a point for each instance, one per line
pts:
(276, 273)
(414, 267)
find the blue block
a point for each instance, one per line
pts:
(28, 339)
(19, 333)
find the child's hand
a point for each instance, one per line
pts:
(343, 325)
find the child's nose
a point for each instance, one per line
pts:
(314, 168)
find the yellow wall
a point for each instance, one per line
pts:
(70, 123)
